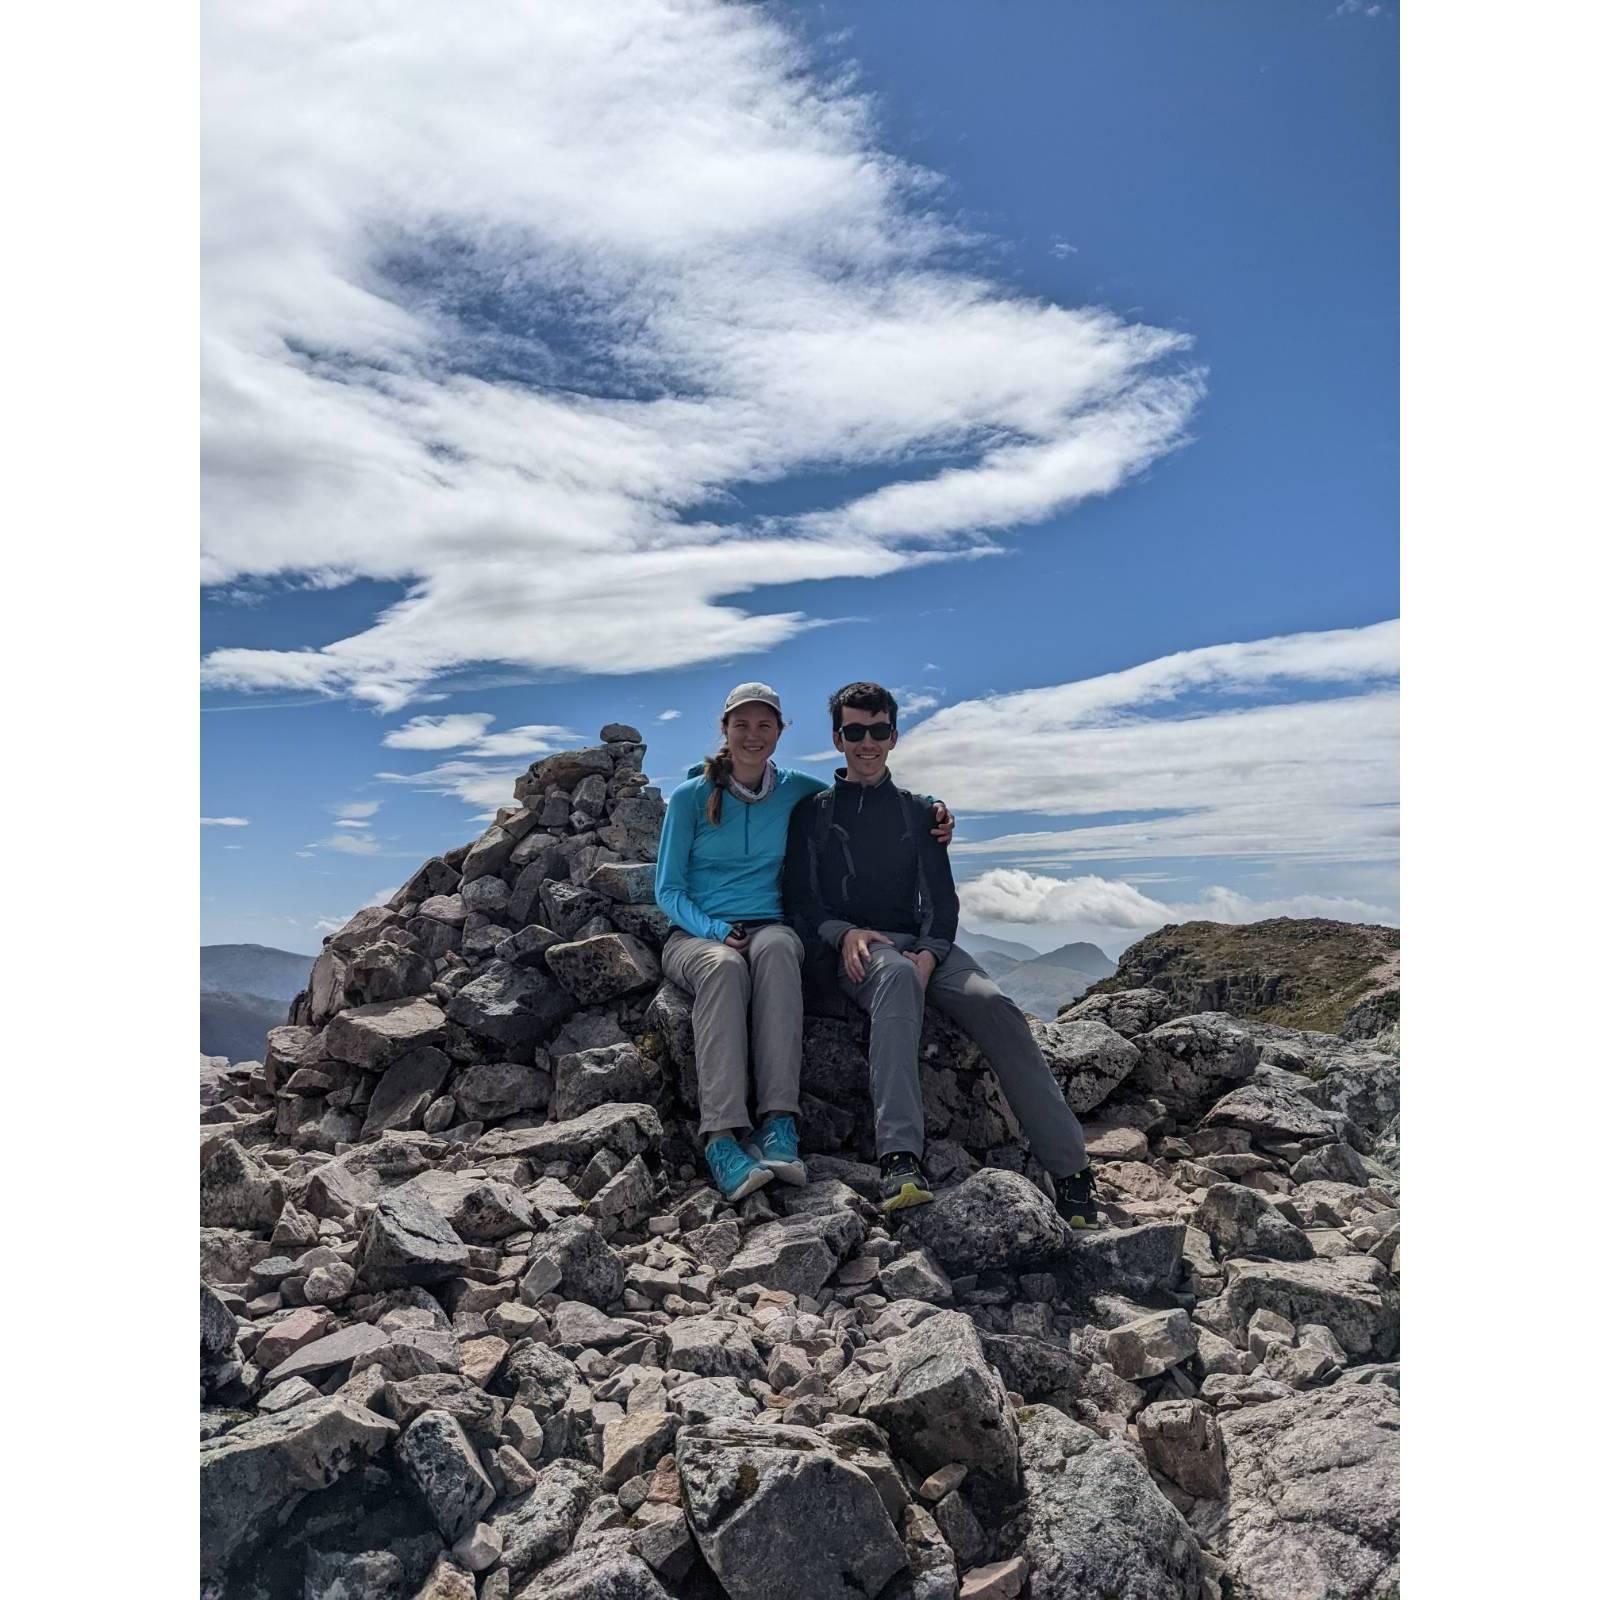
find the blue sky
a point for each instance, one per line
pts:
(1038, 360)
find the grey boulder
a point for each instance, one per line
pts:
(940, 1401)
(995, 1218)
(1313, 1497)
(604, 968)
(512, 1006)
(572, 1257)
(374, 1037)
(779, 1515)
(252, 1477)
(443, 1468)
(236, 1191)
(1095, 1523)
(1352, 1296)
(1242, 1222)
(1087, 1058)
(605, 1074)
(407, 1241)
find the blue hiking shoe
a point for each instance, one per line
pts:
(735, 1173)
(776, 1146)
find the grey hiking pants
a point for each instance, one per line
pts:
(744, 1005)
(891, 994)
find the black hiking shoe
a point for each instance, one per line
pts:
(1075, 1200)
(902, 1182)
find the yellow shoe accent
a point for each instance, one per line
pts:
(909, 1195)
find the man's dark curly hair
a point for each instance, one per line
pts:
(862, 697)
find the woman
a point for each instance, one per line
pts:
(718, 877)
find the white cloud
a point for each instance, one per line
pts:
(1279, 748)
(668, 716)
(357, 810)
(479, 786)
(472, 775)
(439, 733)
(495, 295)
(350, 844)
(532, 739)
(233, 847)
(224, 822)
(1006, 895)
(913, 702)
(352, 822)
(1029, 898)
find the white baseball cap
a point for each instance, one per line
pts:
(765, 694)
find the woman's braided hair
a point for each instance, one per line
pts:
(718, 769)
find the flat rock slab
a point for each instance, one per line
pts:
(626, 1130)
(252, 1477)
(779, 1515)
(332, 1350)
(1352, 1296)
(1313, 1502)
(375, 1037)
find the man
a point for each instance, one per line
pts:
(862, 875)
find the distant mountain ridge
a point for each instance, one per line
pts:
(1299, 972)
(245, 989)
(255, 969)
(1039, 982)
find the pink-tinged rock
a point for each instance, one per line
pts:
(298, 1329)
(481, 1358)
(1001, 1580)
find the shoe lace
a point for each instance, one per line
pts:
(900, 1166)
(779, 1130)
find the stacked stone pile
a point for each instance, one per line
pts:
(474, 1324)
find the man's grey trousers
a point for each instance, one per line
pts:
(745, 1005)
(891, 994)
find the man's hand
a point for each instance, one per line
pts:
(857, 947)
(924, 961)
(734, 942)
(944, 823)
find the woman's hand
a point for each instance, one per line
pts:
(856, 949)
(944, 822)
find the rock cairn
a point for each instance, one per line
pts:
(473, 1325)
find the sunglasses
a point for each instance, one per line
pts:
(855, 732)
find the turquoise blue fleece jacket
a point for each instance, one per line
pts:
(711, 875)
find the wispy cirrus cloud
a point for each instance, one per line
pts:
(1282, 748)
(348, 844)
(508, 302)
(439, 733)
(224, 822)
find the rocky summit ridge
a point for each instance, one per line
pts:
(474, 1326)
